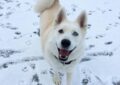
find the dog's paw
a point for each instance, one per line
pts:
(56, 77)
(57, 80)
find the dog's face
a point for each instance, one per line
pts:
(68, 36)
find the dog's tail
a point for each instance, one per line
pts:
(48, 10)
(43, 5)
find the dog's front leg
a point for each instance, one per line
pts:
(69, 78)
(56, 78)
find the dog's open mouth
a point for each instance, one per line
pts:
(64, 54)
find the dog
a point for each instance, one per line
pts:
(62, 40)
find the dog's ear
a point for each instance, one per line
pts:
(60, 17)
(82, 20)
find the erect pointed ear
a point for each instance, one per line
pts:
(82, 20)
(60, 17)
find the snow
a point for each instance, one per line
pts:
(21, 60)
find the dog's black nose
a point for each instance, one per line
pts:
(65, 43)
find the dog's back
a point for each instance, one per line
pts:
(48, 10)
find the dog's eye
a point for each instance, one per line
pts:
(61, 31)
(75, 34)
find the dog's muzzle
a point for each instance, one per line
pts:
(63, 55)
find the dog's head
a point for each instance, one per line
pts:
(68, 36)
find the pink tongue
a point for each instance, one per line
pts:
(64, 52)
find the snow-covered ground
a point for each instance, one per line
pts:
(21, 60)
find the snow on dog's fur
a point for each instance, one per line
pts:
(62, 40)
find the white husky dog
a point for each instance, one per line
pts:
(62, 40)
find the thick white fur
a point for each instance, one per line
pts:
(51, 20)
(43, 4)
